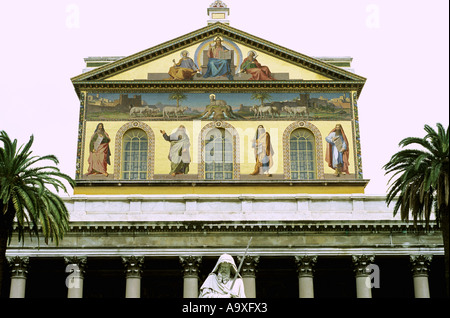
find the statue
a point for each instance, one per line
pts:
(224, 281)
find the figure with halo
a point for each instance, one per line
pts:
(251, 66)
(185, 69)
(219, 63)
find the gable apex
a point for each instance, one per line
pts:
(322, 66)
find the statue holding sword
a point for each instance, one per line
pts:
(224, 281)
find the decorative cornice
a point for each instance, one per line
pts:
(208, 183)
(164, 86)
(338, 227)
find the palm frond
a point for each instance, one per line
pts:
(419, 177)
(24, 190)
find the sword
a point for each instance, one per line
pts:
(240, 265)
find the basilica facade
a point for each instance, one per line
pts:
(204, 143)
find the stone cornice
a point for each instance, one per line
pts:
(328, 227)
(211, 251)
(220, 86)
(271, 183)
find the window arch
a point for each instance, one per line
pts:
(218, 155)
(308, 141)
(302, 150)
(134, 157)
(218, 152)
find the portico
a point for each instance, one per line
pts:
(288, 252)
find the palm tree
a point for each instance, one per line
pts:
(25, 198)
(177, 97)
(422, 186)
(261, 96)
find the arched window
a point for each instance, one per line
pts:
(134, 155)
(218, 154)
(302, 151)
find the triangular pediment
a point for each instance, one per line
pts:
(154, 64)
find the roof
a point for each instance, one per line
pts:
(338, 77)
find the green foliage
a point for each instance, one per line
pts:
(25, 194)
(261, 96)
(421, 182)
(177, 97)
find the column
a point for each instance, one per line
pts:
(420, 266)
(133, 271)
(190, 266)
(305, 269)
(76, 267)
(362, 271)
(248, 273)
(19, 271)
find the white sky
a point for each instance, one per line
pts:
(401, 47)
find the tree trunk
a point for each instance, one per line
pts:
(6, 220)
(3, 264)
(3, 261)
(445, 236)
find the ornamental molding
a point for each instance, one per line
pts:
(219, 86)
(18, 266)
(133, 266)
(361, 264)
(305, 265)
(217, 251)
(249, 266)
(420, 265)
(325, 227)
(191, 265)
(76, 265)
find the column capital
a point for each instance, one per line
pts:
(190, 265)
(361, 263)
(305, 264)
(18, 266)
(249, 267)
(420, 264)
(76, 265)
(133, 266)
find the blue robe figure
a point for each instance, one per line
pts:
(217, 66)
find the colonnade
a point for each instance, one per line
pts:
(364, 267)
